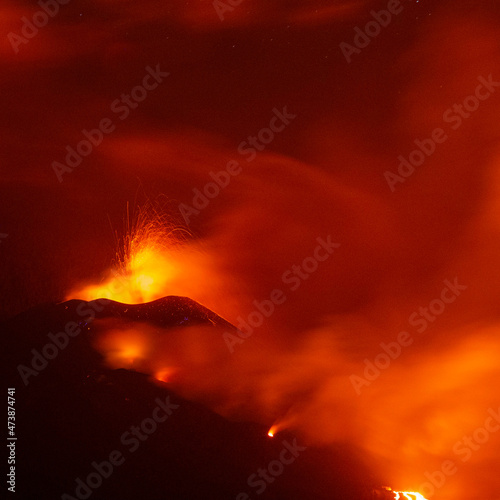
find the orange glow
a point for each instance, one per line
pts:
(421, 405)
(124, 348)
(410, 495)
(156, 258)
(145, 262)
(273, 430)
(164, 374)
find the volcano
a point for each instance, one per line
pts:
(84, 430)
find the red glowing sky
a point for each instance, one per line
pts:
(322, 175)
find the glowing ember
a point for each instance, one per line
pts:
(272, 431)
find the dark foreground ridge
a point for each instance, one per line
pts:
(86, 431)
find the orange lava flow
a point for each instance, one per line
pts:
(409, 495)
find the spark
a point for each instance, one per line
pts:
(145, 265)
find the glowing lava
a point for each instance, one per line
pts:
(146, 263)
(272, 431)
(409, 495)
